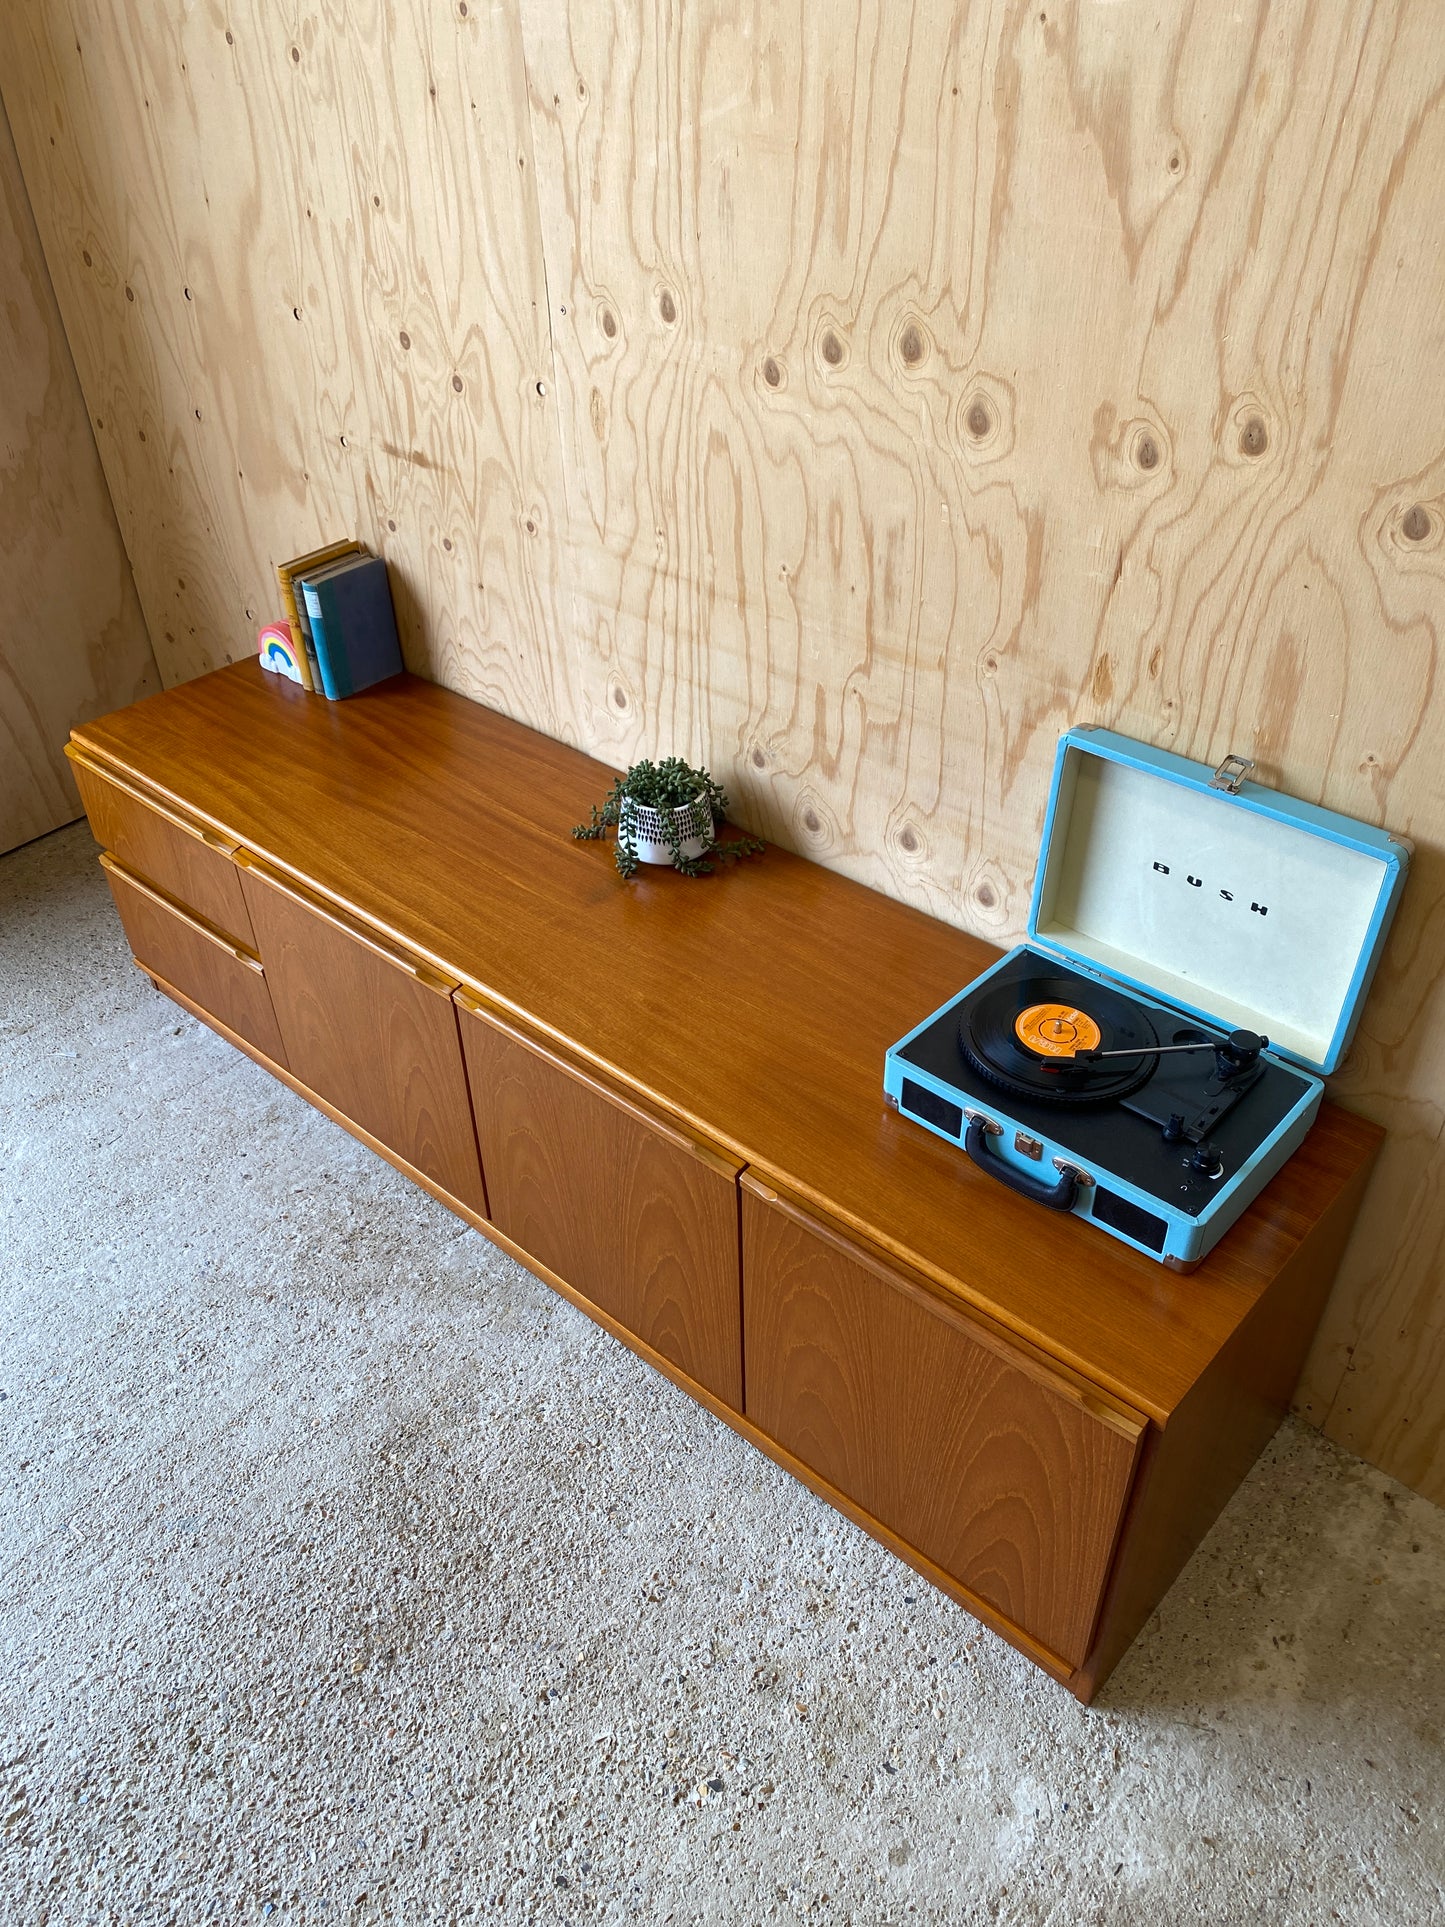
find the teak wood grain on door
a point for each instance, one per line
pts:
(640, 1221)
(224, 978)
(369, 1029)
(1012, 1481)
(162, 846)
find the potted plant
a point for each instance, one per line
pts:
(666, 812)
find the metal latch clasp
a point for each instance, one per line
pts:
(1231, 773)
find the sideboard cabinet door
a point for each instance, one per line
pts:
(620, 1206)
(369, 1029)
(1011, 1478)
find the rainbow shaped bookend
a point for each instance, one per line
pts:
(278, 652)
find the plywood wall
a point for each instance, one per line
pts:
(852, 396)
(73, 641)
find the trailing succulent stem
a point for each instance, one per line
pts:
(666, 787)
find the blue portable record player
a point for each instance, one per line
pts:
(1198, 951)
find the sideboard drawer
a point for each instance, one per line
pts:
(223, 977)
(621, 1206)
(1011, 1478)
(190, 864)
(370, 1029)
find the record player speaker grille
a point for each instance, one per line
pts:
(931, 1108)
(1129, 1218)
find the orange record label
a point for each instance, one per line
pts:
(1056, 1030)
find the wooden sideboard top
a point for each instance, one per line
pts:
(755, 1005)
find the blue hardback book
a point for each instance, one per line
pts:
(353, 624)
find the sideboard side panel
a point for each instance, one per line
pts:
(1196, 1464)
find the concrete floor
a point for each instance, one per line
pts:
(351, 1576)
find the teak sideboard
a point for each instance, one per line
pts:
(666, 1099)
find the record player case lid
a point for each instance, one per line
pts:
(1243, 905)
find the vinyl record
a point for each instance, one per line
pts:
(1024, 1036)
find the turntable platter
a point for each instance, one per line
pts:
(1024, 1035)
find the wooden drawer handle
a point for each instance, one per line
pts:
(225, 846)
(179, 911)
(668, 1132)
(329, 913)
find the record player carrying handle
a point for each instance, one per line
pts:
(1058, 1197)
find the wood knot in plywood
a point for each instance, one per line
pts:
(814, 820)
(1415, 523)
(1251, 431)
(913, 343)
(1129, 452)
(984, 420)
(1412, 530)
(986, 889)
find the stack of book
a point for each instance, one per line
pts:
(339, 609)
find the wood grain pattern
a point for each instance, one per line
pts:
(1012, 1486)
(445, 828)
(738, 1421)
(376, 1039)
(916, 382)
(298, 259)
(219, 975)
(934, 380)
(163, 848)
(622, 1208)
(72, 642)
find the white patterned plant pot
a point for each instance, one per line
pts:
(647, 829)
